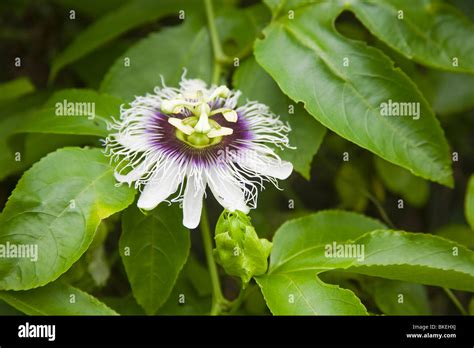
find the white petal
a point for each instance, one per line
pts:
(192, 202)
(160, 187)
(135, 174)
(269, 167)
(227, 192)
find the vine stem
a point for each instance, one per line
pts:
(455, 301)
(217, 297)
(219, 57)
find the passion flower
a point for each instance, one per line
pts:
(178, 141)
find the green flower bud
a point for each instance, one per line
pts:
(238, 248)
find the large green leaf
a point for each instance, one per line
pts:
(415, 257)
(348, 99)
(56, 207)
(165, 53)
(469, 202)
(307, 246)
(132, 14)
(431, 32)
(67, 112)
(55, 299)
(154, 248)
(300, 291)
(306, 133)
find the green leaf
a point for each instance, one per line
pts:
(24, 150)
(130, 15)
(303, 293)
(55, 299)
(154, 249)
(300, 291)
(416, 257)
(348, 99)
(186, 46)
(56, 207)
(401, 181)
(469, 202)
(340, 240)
(15, 88)
(306, 133)
(394, 297)
(413, 257)
(431, 32)
(73, 111)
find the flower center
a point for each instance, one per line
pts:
(197, 139)
(199, 130)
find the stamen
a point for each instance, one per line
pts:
(229, 114)
(221, 91)
(178, 123)
(220, 132)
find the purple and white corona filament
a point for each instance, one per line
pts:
(178, 141)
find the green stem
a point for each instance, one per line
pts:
(235, 305)
(216, 75)
(455, 300)
(220, 58)
(217, 297)
(216, 45)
